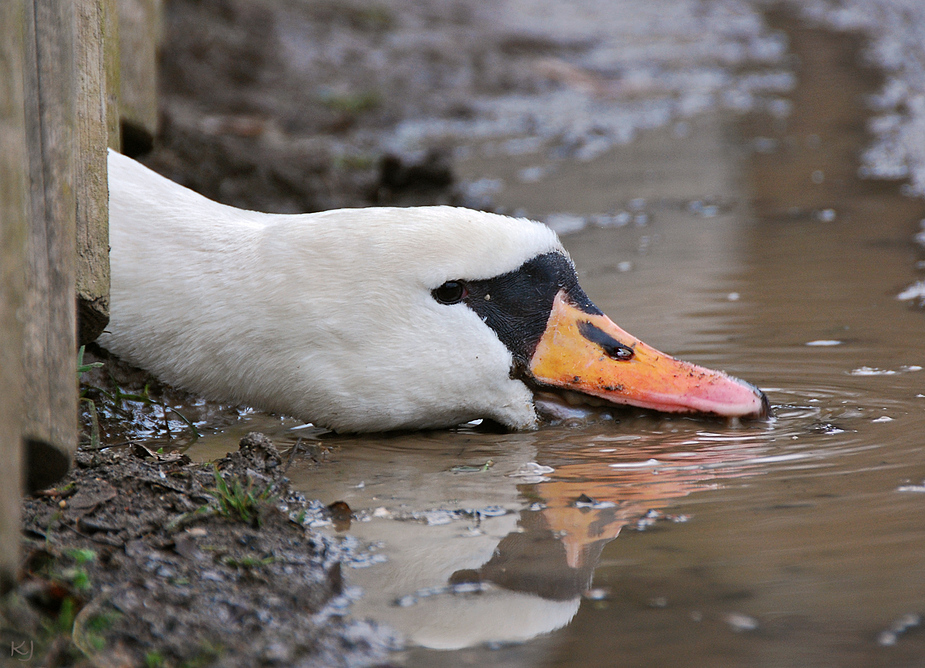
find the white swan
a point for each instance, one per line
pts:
(372, 319)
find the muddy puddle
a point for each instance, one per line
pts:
(747, 245)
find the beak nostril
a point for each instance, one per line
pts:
(613, 348)
(621, 352)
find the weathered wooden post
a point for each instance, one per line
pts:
(66, 74)
(92, 193)
(50, 342)
(139, 35)
(112, 56)
(58, 66)
(13, 219)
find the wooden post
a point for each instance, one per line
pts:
(112, 55)
(13, 218)
(139, 35)
(53, 206)
(92, 192)
(49, 350)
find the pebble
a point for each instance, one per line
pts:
(740, 622)
(890, 637)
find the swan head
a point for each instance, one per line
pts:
(434, 316)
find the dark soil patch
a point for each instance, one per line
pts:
(155, 561)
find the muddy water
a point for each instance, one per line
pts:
(648, 540)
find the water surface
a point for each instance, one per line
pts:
(749, 246)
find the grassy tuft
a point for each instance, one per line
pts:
(238, 501)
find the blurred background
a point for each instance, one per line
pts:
(291, 105)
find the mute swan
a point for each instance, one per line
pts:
(373, 319)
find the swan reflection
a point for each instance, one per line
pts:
(505, 552)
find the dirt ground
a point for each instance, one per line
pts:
(155, 561)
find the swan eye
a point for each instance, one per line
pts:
(451, 292)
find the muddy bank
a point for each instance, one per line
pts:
(280, 106)
(291, 106)
(159, 562)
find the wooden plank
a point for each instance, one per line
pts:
(111, 63)
(139, 36)
(91, 189)
(13, 218)
(49, 350)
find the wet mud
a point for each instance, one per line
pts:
(160, 562)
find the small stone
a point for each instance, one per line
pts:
(740, 622)
(886, 639)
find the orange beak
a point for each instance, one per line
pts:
(588, 353)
